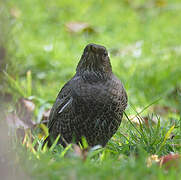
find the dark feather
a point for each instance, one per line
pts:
(91, 104)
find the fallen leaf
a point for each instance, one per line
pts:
(170, 160)
(152, 159)
(21, 119)
(167, 161)
(16, 125)
(24, 110)
(79, 27)
(134, 50)
(21, 122)
(143, 120)
(82, 153)
(15, 12)
(46, 115)
(153, 120)
(163, 110)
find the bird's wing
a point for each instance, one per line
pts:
(121, 92)
(62, 103)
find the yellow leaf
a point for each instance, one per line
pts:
(167, 135)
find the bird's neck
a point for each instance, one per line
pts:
(94, 76)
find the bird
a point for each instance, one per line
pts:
(91, 104)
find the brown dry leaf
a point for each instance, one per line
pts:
(46, 115)
(15, 12)
(153, 120)
(163, 110)
(45, 118)
(77, 150)
(170, 160)
(16, 125)
(167, 161)
(21, 119)
(82, 153)
(25, 109)
(137, 120)
(79, 27)
(28, 104)
(152, 159)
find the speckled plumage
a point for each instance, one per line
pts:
(91, 104)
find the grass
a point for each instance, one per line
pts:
(143, 39)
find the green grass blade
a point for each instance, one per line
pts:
(132, 123)
(65, 150)
(84, 142)
(14, 84)
(166, 137)
(29, 83)
(55, 143)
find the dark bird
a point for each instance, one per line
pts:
(91, 104)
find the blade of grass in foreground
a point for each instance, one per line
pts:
(29, 83)
(55, 143)
(65, 150)
(166, 137)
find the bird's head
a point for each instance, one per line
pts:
(94, 59)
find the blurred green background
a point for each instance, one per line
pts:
(143, 39)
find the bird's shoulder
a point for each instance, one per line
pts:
(64, 100)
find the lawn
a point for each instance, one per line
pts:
(39, 50)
